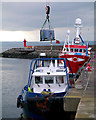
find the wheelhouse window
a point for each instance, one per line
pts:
(80, 50)
(76, 50)
(71, 50)
(39, 80)
(64, 49)
(59, 79)
(49, 80)
(84, 50)
(67, 49)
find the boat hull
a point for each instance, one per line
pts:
(74, 62)
(43, 108)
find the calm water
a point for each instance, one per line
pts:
(14, 78)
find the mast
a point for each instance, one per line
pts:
(68, 32)
(78, 26)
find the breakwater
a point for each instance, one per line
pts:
(32, 53)
(25, 53)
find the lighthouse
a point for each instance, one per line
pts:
(24, 42)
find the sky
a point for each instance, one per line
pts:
(24, 19)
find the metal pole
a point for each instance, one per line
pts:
(51, 42)
(83, 79)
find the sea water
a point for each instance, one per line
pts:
(14, 78)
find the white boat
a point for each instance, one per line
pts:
(46, 88)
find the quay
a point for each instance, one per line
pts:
(81, 98)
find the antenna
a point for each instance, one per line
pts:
(78, 23)
(68, 32)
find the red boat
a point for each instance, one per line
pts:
(76, 53)
(76, 57)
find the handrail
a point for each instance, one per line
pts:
(66, 72)
(82, 67)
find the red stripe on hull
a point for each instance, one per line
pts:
(76, 46)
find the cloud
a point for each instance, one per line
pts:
(86, 32)
(51, 1)
(21, 16)
(19, 35)
(31, 15)
(60, 34)
(27, 18)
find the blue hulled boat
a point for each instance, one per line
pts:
(48, 83)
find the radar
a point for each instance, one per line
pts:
(78, 21)
(68, 32)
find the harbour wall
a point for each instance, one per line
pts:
(35, 53)
(32, 53)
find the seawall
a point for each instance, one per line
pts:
(31, 53)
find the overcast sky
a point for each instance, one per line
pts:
(24, 19)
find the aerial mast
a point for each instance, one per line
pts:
(78, 26)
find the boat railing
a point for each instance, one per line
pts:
(36, 62)
(81, 68)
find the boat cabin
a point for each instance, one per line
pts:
(50, 78)
(74, 49)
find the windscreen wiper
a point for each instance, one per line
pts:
(58, 83)
(38, 85)
(48, 85)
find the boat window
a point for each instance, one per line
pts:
(38, 80)
(67, 49)
(76, 50)
(80, 50)
(71, 50)
(59, 70)
(49, 79)
(84, 50)
(59, 79)
(37, 70)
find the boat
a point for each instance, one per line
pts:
(77, 53)
(48, 83)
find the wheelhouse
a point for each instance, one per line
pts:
(75, 48)
(49, 78)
